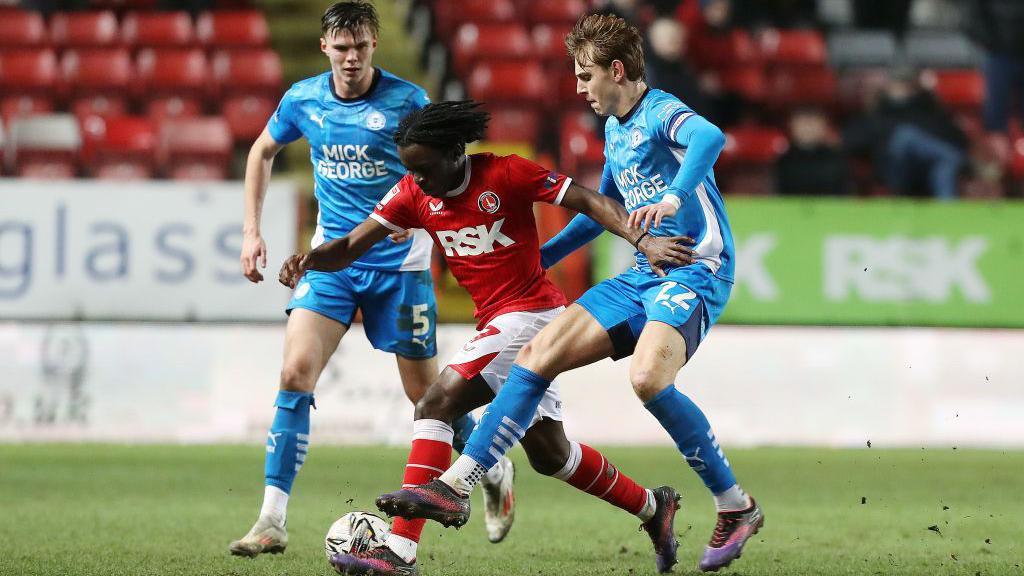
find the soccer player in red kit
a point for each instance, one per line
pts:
(479, 210)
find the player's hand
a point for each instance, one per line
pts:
(664, 250)
(643, 217)
(399, 237)
(254, 257)
(293, 269)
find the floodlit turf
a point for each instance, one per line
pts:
(116, 510)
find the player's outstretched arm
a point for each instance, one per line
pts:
(334, 255)
(660, 250)
(257, 176)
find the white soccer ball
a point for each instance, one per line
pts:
(355, 532)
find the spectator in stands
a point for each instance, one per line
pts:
(998, 27)
(666, 65)
(912, 140)
(813, 164)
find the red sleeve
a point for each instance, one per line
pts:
(533, 181)
(397, 209)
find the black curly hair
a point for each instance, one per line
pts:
(446, 126)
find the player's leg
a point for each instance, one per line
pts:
(586, 469)
(680, 309)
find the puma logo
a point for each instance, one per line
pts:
(319, 120)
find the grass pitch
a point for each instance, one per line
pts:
(139, 510)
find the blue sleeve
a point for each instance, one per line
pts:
(580, 230)
(283, 125)
(419, 99)
(702, 140)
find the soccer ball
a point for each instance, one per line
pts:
(355, 532)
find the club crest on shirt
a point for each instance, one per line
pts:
(488, 202)
(375, 120)
(635, 137)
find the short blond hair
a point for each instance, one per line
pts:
(598, 39)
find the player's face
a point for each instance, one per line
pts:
(598, 86)
(432, 170)
(351, 56)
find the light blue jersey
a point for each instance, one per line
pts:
(644, 154)
(355, 161)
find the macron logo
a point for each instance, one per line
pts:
(473, 241)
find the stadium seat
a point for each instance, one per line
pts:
(448, 14)
(21, 28)
(792, 47)
(580, 147)
(82, 29)
(489, 42)
(861, 48)
(177, 72)
(96, 71)
(961, 89)
(941, 50)
(158, 29)
(789, 87)
(101, 106)
(119, 148)
(247, 72)
(29, 72)
(724, 50)
(162, 108)
(747, 81)
(752, 145)
(247, 116)
(44, 146)
(196, 148)
(519, 83)
(233, 28)
(549, 43)
(16, 106)
(564, 12)
(514, 125)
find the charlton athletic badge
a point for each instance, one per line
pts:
(488, 202)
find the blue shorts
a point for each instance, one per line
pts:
(399, 309)
(690, 298)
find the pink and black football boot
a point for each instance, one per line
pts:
(661, 528)
(380, 561)
(731, 532)
(434, 500)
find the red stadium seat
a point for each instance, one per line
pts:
(752, 145)
(21, 28)
(512, 125)
(233, 28)
(519, 83)
(178, 72)
(793, 47)
(560, 12)
(196, 148)
(247, 116)
(97, 71)
(747, 81)
(100, 106)
(158, 29)
(489, 42)
(166, 107)
(44, 146)
(962, 89)
(84, 29)
(119, 148)
(16, 106)
(448, 14)
(248, 72)
(724, 50)
(549, 43)
(788, 88)
(28, 72)
(581, 147)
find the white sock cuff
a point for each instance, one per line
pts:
(402, 546)
(432, 430)
(275, 502)
(572, 464)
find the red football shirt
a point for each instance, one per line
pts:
(487, 230)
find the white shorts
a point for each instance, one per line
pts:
(492, 351)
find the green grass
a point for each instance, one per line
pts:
(137, 510)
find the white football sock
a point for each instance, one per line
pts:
(405, 548)
(275, 504)
(463, 475)
(650, 507)
(732, 499)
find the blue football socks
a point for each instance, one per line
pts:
(288, 439)
(507, 418)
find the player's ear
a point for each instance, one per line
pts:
(323, 45)
(618, 71)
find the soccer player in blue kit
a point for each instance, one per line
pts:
(348, 115)
(658, 162)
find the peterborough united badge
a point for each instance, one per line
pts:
(488, 202)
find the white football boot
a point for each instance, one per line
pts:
(499, 500)
(265, 537)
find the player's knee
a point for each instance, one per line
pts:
(298, 377)
(434, 405)
(647, 383)
(537, 356)
(548, 462)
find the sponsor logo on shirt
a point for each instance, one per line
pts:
(473, 240)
